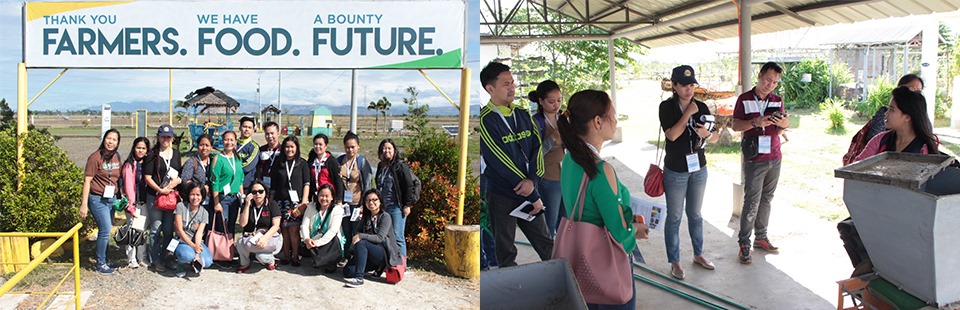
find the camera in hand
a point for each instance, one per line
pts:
(708, 121)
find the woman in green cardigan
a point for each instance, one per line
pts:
(591, 119)
(227, 179)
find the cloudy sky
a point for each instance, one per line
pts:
(81, 88)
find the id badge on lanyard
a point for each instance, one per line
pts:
(693, 162)
(110, 189)
(764, 144)
(293, 192)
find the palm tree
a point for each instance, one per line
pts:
(381, 106)
(376, 117)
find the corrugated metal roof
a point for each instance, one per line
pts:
(654, 23)
(878, 35)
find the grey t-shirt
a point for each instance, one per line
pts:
(191, 220)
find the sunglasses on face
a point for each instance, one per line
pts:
(257, 192)
(373, 199)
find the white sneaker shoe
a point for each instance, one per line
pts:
(133, 265)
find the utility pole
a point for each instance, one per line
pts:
(259, 105)
(279, 105)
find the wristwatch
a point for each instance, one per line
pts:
(753, 123)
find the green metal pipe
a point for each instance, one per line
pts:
(675, 291)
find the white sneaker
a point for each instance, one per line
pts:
(133, 265)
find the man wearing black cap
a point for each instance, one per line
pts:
(248, 151)
(760, 115)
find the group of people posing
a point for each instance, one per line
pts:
(339, 210)
(542, 159)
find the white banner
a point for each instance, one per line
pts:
(245, 34)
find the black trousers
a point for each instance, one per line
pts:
(505, 230)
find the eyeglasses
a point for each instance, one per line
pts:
(257, 192)
(373, 199)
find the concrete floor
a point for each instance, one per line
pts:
(802, 276)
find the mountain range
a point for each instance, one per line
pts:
(248, 107)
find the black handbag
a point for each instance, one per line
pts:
(327, 254)
(127, 235)
(750, 147)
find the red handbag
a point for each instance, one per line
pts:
(395, 274)
(167, 202)
(653, 181)
(599, 262)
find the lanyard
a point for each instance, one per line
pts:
(108, 167)
(594, 149)
(203, 166)
(766, 104)
(232, 161)
(187, 223)
(166, 161)
(256, 216)
(273, 156)
(547, 120)
(350, 166)
(290, 173)
(318, 164)
(524, 153)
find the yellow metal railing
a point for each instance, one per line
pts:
(62, 237)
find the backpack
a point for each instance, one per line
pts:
(863, 136)
(416, 187)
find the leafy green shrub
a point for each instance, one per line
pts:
(943, 104)
(435, 162)
(805, 95)
(833, 109)
(878, 95)
(49, 197)
(434, 158)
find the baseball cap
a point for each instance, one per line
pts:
(165, 131)
(683, 75)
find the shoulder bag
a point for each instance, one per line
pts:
(599, 262)
(220, 243)
(653, 181)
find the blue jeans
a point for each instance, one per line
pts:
(160, 224)
(630, 305)
(550, 194)
(102, 210)
(399, 223)
(680, 186)
(231, 209)
(366, 256)
(185, 254)
(488, 250)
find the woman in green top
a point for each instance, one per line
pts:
(591, 119)
(227, 179)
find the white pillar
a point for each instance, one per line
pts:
(746, 51)
(353, 103)
(955, 120)
(612, 63)
(928, 62)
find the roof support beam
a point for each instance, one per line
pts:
(790, 13)
(528, 39)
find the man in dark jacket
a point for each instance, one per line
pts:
(510, 146)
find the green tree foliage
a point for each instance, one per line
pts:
(8, 119)
(416, 118)
(575, 65)
(805, 95)
(48, 199)
(435, 158)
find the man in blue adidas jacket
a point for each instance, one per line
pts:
(510, 146)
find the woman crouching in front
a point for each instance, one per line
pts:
(375, 244)
(189, 221)
(260, 219)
